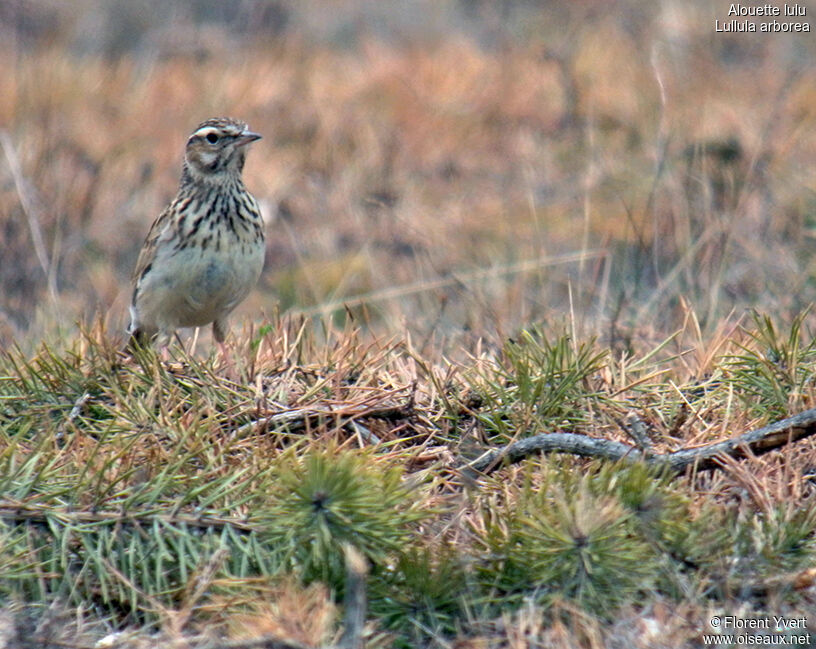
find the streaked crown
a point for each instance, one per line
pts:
(216, 150)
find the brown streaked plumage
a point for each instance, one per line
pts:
(205, 251)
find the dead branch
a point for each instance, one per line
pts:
(11, 510)
(298, 419)
(636, 429)
(755, 442)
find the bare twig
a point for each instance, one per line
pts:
(76, 411)
(551, 443)
(296, 419)
(636, 429)
(364, 434)
(30, 210)
(39, 514)
(755, 442)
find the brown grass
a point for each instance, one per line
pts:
(430, 181)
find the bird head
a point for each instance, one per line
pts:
(216, 150)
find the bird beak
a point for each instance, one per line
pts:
(246, 137)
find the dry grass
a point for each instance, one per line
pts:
(527, 220)
(387, 165)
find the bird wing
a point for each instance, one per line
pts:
(158, 230)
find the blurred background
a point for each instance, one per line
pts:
(453, 168)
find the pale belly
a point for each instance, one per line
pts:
(198, 287)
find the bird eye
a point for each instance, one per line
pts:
(212, 138)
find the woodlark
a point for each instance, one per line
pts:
(205, 251)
